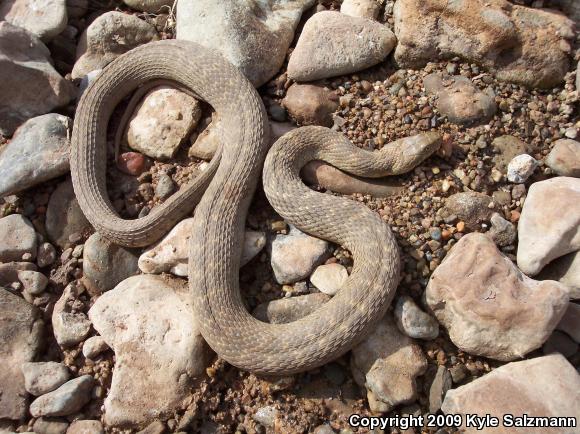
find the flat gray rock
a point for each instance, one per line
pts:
(17, 237)
(38, 152)
(226, 26)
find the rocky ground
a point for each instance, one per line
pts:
(99, 338)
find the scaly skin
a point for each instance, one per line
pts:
(216, 240)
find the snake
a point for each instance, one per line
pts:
(221, 196)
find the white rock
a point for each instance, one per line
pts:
(549, 226)
(43, 18)
(329, 278)
(387, 364)
(149, 322)
(44, 377)
(361, 8)
(266, 416)
(546, 386)
(69, 328)
(33, 282)
(225, 27)
(172, 252)
(412, 321)
(110, 35)
(294, 256)
(67, 399)
(17, 237)
(488, 306)
(334, 44)
(94, 346)
(162, 121)
(521, 168)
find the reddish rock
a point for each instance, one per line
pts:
(132, 163)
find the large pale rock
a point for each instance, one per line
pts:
(17, 237)
(549, 225)
(546, 386)
(226, 26)
(38, 152)
(309, 104)
(151, 6)
(290, 309)
(21, 329)
(106, 264)
(460, 100)
(361, 8)
(69, 327)
(334, 44)
(488, 306)
(387, 364)
(109, 36)
(564, 158)
(44, 377)
(43, 18)
(162, 121)
(171, 254)
(294, 256)
(149, 322)
(566, 270)
(29, 84)
(519, 44)
(67, 399)
(64, 216)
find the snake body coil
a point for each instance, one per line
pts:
(230, 181)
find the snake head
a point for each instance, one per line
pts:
(409, 152)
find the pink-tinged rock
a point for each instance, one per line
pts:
(488, 306)
(546, 386)
(549, 225)
(309, 104)
(132, 163)
(564, 158)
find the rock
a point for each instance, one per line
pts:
(106, 264)
(132, 163)
(566, 270)
(43, 18)
(412, 321)
(69, 327)
(44, 377)
(570, 323)
(323, 429)
(29, 84)
(507, 148)
(149, 322)
(564, 158)
(266, 416)
(502, 232)
(151, 6)
(518, 44)
(439, 387)
(521, 168)
(309, 104)
(17, 238)
(294, 256)
(156, 427)
(207, 142)
(46, 255)
(488, 306)
(170, 255)
(460, 100)
(387, 364)
(50, 426)
(64, 216)
(545, 232)
(86, 427)
(33, 283)
(559, 342)
(224, 27)
(9, 271)
(278, 129)
(165, 186)
(21, 332)
(289, 309)
(470, 207)
(333, 44)
(329, 177)
(361, 8)
(546, 386)
(110, 35)
(37, 153)
(94, 346)
(162, 121)
(67, 399)
(77, 8)
(329, 278)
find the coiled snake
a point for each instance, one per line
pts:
(229, 184)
